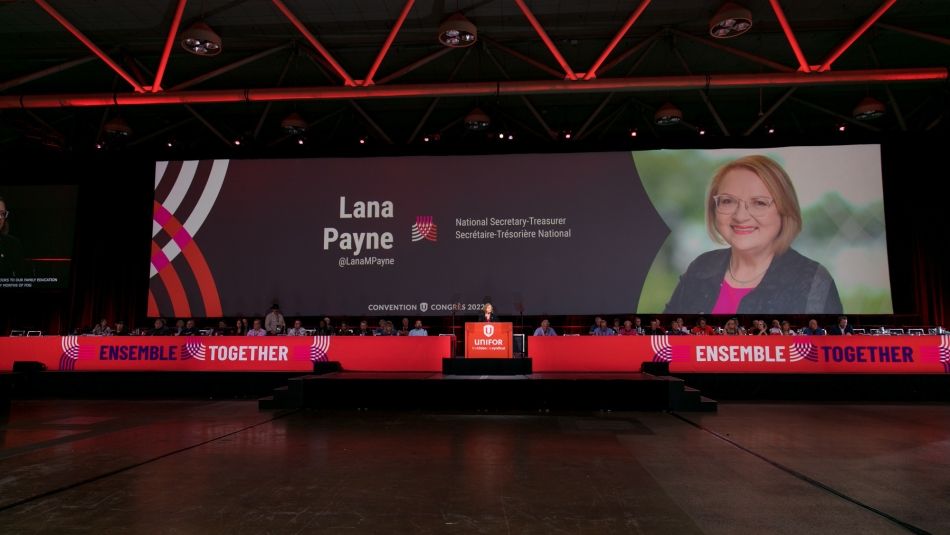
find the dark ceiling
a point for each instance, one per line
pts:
(670, 41)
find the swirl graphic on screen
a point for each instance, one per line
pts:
(70, 345)
(178, 215)
(194, 349)
(424, 229)
(319, 349)
(802, 349)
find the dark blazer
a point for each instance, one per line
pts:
(481, 317)
(793, 284)
(12, 263)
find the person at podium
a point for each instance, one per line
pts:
(488, 313)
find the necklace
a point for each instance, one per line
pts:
(733, 277)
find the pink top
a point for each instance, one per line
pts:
(729, 298)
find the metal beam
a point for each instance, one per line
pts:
(169, 43)
(592, 72)
(762, 118)
(582, 132)
(568, 72)
(735, 52)
(45, 72)
(139, 140)
(414, 65)
(280, 82)
(649, 41)
(229, 67)
(825, 65)
(843, 117)
(890, 95)
(787, 28)
(389, 42)
(495, 88)
(210, 126)
(915, 33)
(524, 99)
(435, 101)
(525, 58)
(702, 94)
(302, 28)
(89, 44)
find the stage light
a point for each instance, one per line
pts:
(566, 135)
(868, 109)
(841, 128)
(501, 135)
(702, 131)
(100, 145)
(293, 124)
(730, 21)
(477, 120)
(668, 115)
(425, 139)
(456, 31)
(633, 132)
(237, 142)
(169, 144)
(511, 137)
(201, 40)
(770, 130)
(363, 140)
(117, 126)
(300, 141)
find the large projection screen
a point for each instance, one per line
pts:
(584, 233)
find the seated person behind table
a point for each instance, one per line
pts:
(545, 329)
(256, 330)
(596, 324)
(297, 329)
(842, 328)
(159, 328)
(190, 329)
(676, 329)
(102, 328)
(787, 329)
(364, 329)
(388, 330)
(627, 329)
(274, 321)
(776, 327)
(119, 329)
(344, 330)
(418, 330)
(703, 328)
(638, 325)
(323, 329)
(813, 329)
(654, 329)
(222, 329)
(381, 326)
(758, 328)
(404, 328)
(604, 330)
(731, 328)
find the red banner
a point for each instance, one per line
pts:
(227, 353)
(744, 354)
(686, 354)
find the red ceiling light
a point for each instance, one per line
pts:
(477, 120)
(201, 40)
(457, 32)
(730, 21)
(294, 124)
(868, 109)
(668, 115)
(117, 126)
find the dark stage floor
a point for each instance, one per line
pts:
(224, 467)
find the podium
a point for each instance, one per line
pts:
(488, 340)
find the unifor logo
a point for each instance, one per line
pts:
(424, 229)
(488, 330)
(423, 307)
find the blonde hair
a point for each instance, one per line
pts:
(780, 186)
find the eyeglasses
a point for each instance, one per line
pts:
(756, 206)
